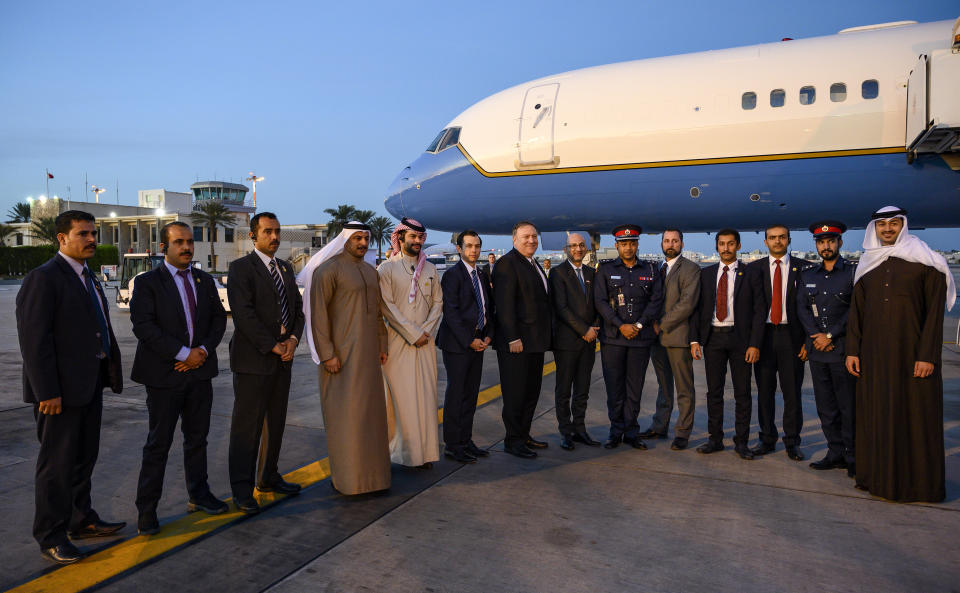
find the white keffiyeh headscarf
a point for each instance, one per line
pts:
(305, 277)
(907, 247)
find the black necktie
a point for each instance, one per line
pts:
(97, 307)
(284, 307)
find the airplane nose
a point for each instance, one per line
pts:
(394, 201)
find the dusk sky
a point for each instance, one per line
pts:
(328, 101)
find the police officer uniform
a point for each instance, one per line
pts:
(823, 304)
(626, 295)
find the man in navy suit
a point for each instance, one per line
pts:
(465, 332)
(179, 321)
(783, 350)
(728, 331)
(575, 327)
(69, 354)
(523, 312)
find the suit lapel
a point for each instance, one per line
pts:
(737, 280)
(169, 284)
(75, 283)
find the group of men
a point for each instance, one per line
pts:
(872, 334)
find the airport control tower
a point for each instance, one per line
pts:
(231, 195)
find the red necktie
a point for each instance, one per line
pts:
(722, 295)
(776, 309)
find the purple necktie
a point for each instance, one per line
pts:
(191, 299)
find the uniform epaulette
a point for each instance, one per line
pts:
(608, 261)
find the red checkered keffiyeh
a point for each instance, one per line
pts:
(408, 224)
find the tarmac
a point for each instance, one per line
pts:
(585, 520)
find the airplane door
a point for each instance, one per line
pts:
(916, 102)
(536, 125)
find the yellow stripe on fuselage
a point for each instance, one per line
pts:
(686, 163)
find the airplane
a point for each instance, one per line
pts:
(787, 132)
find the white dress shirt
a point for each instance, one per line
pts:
(78, 267)
(483, 301)
(731, 282)
(784, 272)
(540, 272)
(266, 259)
(670, 263)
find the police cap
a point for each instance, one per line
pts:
(627, 232)
(827, 228)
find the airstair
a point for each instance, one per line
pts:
(933, 107)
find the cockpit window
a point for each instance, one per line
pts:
(451, 139)
(445, 139)
(436, 141)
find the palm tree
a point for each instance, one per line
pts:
(364, 216)
(210, 214)
(19, 213)
(45, 230)
(381, 228)
(339, 216)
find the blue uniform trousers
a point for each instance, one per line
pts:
(624, 368)
(835, 391)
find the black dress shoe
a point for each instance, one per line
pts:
(827, 463)
(651, 434)
(612, 442)
(763, 449)
(97, 529)
(66, 553)
(852, 469)
(459, 455)
(583, 437)
(710, 447)
(744, 452)
(208, 503)
(246, 505)
(636, 443)
(147, 523)
(679, 444)
(566, 443)
(476, 451)
(281, 486)
(535, 444)
(520, 451)
(795, 453)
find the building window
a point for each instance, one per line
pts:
(228, 235)
(748, 100)
(133, 234)
(316, 241)
(19, 239)
(210, 263)
(808, 95)
(870, 89)
(153, 233)
(838, 92)
(777, 97)
(115, 233)
(198, 234)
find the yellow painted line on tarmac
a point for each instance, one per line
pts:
(130, 553)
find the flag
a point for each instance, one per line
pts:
(49, 175)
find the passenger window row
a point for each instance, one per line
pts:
(869, 89)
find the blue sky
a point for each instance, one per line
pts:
(328, 101)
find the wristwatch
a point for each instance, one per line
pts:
(638, 325)
(829, 336)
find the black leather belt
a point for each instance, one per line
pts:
(723, 329)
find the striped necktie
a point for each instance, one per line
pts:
(476, 295)
(94, 295)
(284, 306)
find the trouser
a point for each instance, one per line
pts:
(624, 369)
(778, 358)
(574, 368)
(259, 417)
(521, 376)
(460, 399)
(191, 404)
(674, 367)
(835, 391)
(69, 445)
(722, 350)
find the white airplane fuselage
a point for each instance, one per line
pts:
(786, 132)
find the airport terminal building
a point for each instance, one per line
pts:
(135, 229)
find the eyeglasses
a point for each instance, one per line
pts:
(577, 245)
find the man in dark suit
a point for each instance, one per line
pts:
(466, 330)
(728, 331)
(782, 351)
(267, 314)
(69, 354)
(575, 327)
(522, 336)
(179, 321)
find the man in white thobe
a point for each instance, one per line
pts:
(412, 307)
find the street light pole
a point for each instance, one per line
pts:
(97, 191)
(253, 178)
